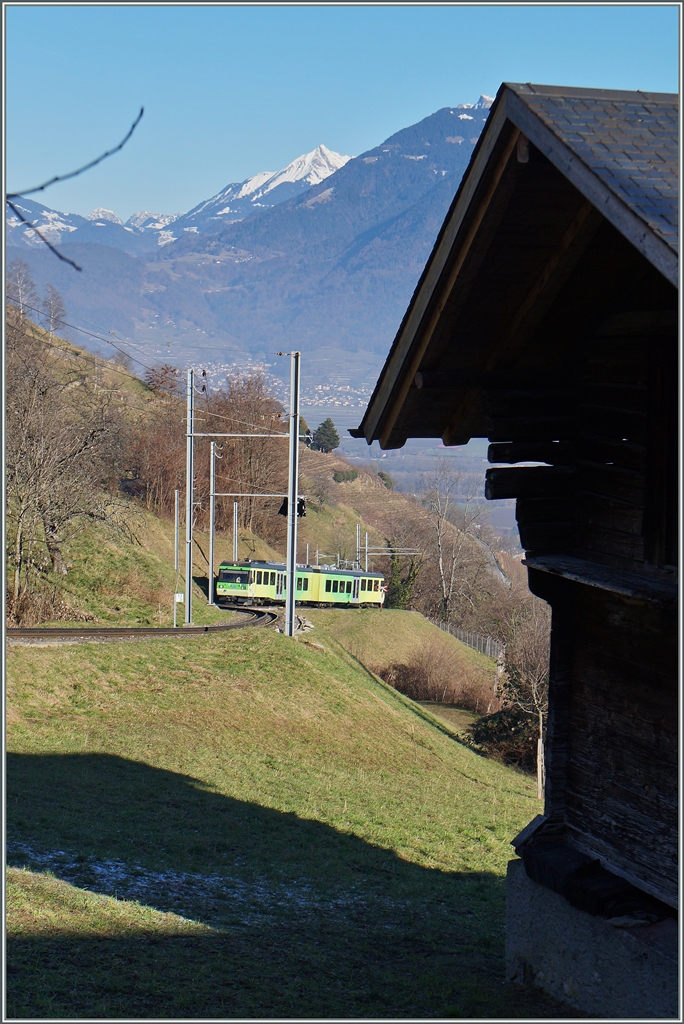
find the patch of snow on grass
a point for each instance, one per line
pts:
(193, 895)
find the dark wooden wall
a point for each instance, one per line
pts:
(622, 779)
(599, 526)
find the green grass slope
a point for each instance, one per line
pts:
(380, 638)
(343, 856)
(118, 580)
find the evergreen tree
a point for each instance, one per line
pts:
(325, 437)
(401, 578)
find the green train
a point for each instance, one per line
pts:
(255, 582)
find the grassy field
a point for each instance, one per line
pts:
(248, 826)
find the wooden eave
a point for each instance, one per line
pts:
(439, 329)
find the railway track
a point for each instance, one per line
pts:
(253, 617)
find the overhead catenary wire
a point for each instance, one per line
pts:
(80, 354)
(114, 368)
(65, 323)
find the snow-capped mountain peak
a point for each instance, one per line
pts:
(254, 183)
(260, 192)
(101, 214)
(312, 168)
(484, 103)
(143, 220)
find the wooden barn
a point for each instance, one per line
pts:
(546, 320)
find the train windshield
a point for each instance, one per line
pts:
(228, 576)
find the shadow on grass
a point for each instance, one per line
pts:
(203, 583)
(311, 921)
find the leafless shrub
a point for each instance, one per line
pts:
(165, 381)
(32, 608)
(432, 674)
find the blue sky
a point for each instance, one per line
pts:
(232, 90)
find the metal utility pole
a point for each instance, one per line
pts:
(292, 495)
(212, 511)
(189, 497)
(366, 550)
(235, 532)
(307, 554)
(177, 532)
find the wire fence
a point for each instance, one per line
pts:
(484, 644)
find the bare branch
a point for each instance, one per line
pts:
(86, 167)
(43, 239)
(64, 177)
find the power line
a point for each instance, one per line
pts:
(94, 359)
(123, 340)
(232, 419)
(131, 344)
(80, 354)
(65, 323)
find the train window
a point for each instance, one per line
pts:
(305, 583)
(258, 579)
(377, 585)
(349, 586)
(335, 586)
(273, 575)
(225, 576)
(299, 583)
(328, 586)
(363, 584)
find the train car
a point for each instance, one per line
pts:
(260, 582)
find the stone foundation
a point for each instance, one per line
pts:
(605, 970)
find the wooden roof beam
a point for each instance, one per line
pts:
(438, 278)
(534, 306)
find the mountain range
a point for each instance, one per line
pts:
(321, 256)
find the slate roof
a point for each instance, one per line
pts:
(630, 140)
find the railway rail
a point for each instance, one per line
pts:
(252, 617)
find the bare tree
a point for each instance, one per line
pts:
(21, 290)
(60, 441)
(157, 455)
(253, 465)
(123, 359)
(53, 310)
(165, 380)
(250, 465)
(526, 681)
(451, 516)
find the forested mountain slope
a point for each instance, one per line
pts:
(331, 268)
